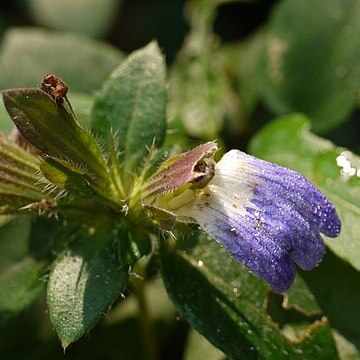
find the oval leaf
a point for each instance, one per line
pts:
(132, 104)
(84, 282)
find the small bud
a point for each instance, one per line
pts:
(195, 168)
(47, 121)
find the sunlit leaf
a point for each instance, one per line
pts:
(197, 346)
(53, 129)
(132, 104)
(84, 282)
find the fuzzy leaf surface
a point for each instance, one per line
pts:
(132, 104)
(52, 128)
(84, 282)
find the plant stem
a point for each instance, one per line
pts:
(145, 321)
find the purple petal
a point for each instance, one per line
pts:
(248, 243)
(276, 183)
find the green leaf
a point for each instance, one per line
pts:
(132, 103)
(288, 142)
(52, 128)
(227, 304)
(84, 282)
(134, 243)
(14, 240)
(20, 285)
(198, 347)
(83, 63)
(20, 273)
(5, 122)
(311, 60)
(247, 64)
(300, 298)
(336, 282)
(200, 94)
(82, 104)
(347, 350)
(90, 17)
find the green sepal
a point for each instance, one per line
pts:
(133, 244)
(14, 198)
(65, 176)
(18, 177)
(52, 128)
(86, 198)
(17, 156)
(114, 167)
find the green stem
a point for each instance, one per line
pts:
(145, 321)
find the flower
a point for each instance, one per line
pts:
(267, 216)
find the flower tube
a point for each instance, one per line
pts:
(268, 217)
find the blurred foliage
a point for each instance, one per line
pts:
(86, 63)
(234, 66)
(88, 17)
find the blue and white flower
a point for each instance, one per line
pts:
(267, 216)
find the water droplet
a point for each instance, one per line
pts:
(347, 169)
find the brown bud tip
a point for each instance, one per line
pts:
(55, 87)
